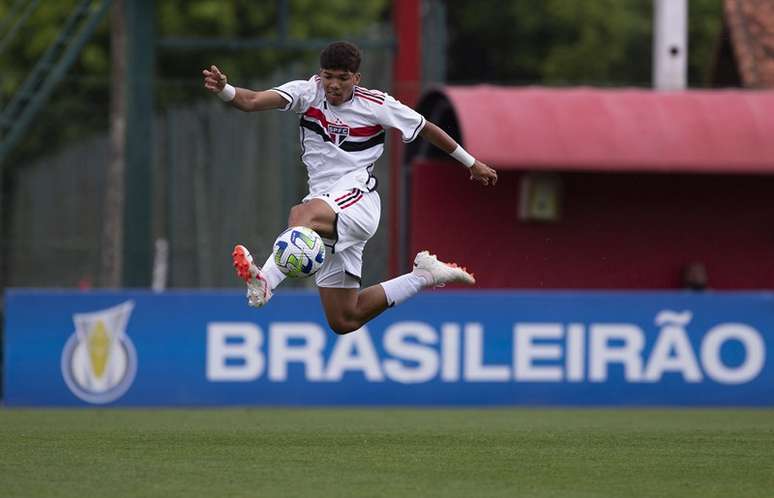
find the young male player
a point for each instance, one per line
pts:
(342, 129)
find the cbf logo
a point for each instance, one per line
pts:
(338, 132)
(99, 361)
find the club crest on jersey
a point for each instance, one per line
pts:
(99, 361)
(337, 132)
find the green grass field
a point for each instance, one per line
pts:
(386, 452)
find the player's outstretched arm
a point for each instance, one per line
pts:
(479, 171)
(241, 98)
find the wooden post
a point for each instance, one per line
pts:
(112, 227)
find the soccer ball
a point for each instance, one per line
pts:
(299, 252)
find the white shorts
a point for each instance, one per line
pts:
(357, 218)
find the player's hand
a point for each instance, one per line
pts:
(483, 174)
(214, 80)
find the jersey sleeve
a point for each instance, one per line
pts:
(394, 114)
(299, 94)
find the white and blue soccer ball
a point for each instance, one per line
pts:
(299, 252)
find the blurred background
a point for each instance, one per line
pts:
(120, 170)
(624, 259)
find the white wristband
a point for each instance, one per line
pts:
(462, 156)
(227, 94)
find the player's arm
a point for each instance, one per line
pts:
(241, 98)
(478, 170)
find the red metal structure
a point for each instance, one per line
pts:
(648, 183)
(407, 84)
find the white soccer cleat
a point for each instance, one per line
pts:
(258, 292)
(427, 265)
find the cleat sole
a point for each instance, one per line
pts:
(241, 259)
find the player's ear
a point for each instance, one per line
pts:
(356, 78)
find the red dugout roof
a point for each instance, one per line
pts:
(610, 129)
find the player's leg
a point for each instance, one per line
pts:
(348, 309)
(261, 281)
(315, 214)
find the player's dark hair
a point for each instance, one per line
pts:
(341, 55)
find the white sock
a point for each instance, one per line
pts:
(272, 273)
(401, 288)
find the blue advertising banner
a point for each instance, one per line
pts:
(439, 348)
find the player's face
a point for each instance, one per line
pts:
(338, 84)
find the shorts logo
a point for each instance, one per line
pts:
(338, 133)
(99, 361)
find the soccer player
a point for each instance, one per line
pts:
(342, 132)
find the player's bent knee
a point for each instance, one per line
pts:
(309, 215)
(344, 324)
(343, 327)
(300, 216)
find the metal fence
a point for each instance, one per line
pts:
(220, 177)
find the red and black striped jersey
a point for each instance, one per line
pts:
(341, 143)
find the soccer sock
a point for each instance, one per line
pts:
(401, 288)
(272, 273)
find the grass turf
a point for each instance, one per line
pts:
(386, 452)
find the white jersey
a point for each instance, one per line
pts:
(341, 143)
